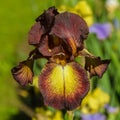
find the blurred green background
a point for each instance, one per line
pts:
(16, 18)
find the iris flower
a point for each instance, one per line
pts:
(59, 37)
(111, 109)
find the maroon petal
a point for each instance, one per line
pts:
(35, 34)
(42, 26)
(47, 18)
(50, 45)
(23, 72)
(71, 28)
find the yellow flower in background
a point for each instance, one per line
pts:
(82, 8)
(43, 114)
(89, 20)
(101, 96)
(58, 116)
(94, 101)
(62, 8)
(89, 105)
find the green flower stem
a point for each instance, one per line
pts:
(69, 115)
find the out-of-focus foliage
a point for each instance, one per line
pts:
(17, 16)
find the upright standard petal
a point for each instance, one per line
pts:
(71, 28)
(42, 26)
(63, 87)
(35, 34)
(47, 18)
(23, 72)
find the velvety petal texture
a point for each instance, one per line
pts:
(47, 18)
(71, 28)
(50, 45)
(42, 26)
(35, 34)
(96, 66)
(63, 87)
(23, 72)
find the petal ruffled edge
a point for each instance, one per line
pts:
(23, 73)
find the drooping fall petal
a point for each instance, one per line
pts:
(96, 66)
(63, 87)
(71, 28)
(23, 72)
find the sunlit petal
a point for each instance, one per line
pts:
(63, 87)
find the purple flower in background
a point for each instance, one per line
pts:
(102, 31)
(96, 116)
(111, 109)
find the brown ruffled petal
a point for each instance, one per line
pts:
(23, 72)
(47, 18)
(35, 34)
(96, 66)
(42, 26)
(63, 87)
(71, 28)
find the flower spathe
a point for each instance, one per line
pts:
(59, 37)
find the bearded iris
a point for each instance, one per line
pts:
(59, 37)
